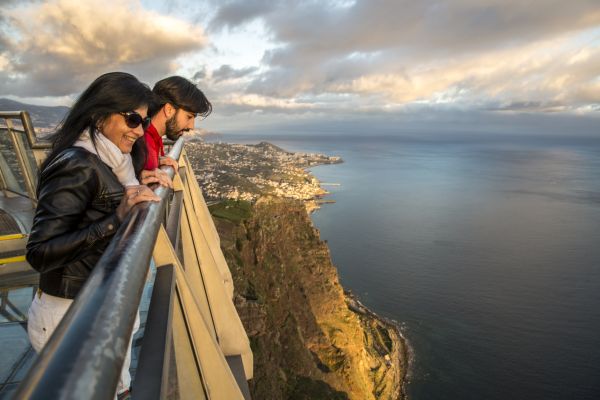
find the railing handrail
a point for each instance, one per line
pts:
(34, 143)
(84, 357)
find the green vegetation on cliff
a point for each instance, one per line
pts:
(232, 210)
(308, 343)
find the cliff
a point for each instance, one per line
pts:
(310, 341)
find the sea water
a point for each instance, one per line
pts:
(486, 250)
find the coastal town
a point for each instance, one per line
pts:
(246, 172)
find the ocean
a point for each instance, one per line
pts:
(485, 249)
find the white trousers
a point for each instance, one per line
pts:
(44, 315)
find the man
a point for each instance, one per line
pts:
(179, 102)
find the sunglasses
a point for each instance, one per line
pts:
(133, 120)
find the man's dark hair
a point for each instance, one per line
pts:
(181, 93)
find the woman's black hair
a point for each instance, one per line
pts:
(110, 93)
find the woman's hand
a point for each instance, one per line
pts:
(156, 176)
(132, 196)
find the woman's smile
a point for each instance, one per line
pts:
(117, 131)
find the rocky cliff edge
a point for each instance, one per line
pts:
(310, 340)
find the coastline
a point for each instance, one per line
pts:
(384, 360)
(307, 341)
(318, 200)
(402, 352)
(401, 349)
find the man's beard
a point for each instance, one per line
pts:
(172, 131)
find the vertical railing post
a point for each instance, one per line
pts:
(151, 381)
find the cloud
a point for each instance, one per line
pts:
(199, 75)
(226, 72)
(72, 42)
(540, 71)
(419, 27)
(488, 54)
(235, 13)
(9, 3)
(416, 121)
(326, 58)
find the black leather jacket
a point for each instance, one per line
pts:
(74, 220)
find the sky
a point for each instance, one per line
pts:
(340, 66)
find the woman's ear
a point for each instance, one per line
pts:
(99, 124)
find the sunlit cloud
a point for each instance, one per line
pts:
(255, 102)
(544, 73)
(71, 42)
(485, 54)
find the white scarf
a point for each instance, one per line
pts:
(121, 164)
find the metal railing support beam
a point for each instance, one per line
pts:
(153, 366)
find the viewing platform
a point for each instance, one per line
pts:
(191, 343)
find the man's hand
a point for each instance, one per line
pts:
(168, 161)
(155, 176)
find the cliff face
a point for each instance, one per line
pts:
(307, 342)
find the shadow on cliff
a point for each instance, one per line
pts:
(312, 389)
(282, 270)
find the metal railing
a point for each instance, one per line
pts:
(28, 155)
(33, 140)
(194, 344)
(84, 356)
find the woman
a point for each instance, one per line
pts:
(87, 186)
